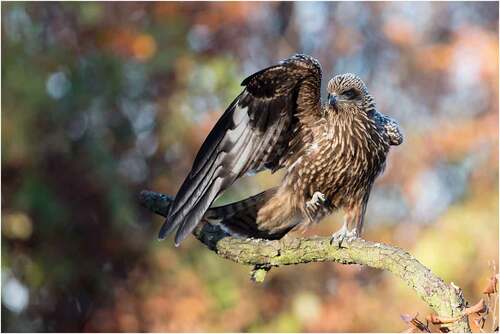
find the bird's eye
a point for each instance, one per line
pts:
(350, 94)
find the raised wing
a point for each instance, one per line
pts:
(253, 133)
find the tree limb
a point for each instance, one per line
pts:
(446, 300)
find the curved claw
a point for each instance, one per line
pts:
(343, 235)
(316, 199)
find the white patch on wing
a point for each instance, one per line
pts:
(240, 118)
(243, 158)
(240, 114)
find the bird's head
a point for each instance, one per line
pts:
(347, 93)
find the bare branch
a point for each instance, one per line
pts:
(446, 300)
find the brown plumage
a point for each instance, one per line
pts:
(331, 153)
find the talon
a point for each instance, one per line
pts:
(316, 199)
(343, 235)
(313, 205)
(318, 195)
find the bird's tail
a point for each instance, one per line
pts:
(240, 218)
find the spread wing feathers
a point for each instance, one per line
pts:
(252, 134)
(240, 218)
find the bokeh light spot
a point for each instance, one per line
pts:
(57, 85)
(144, 47)
(15, 296)
(17, 226)
(306, 307)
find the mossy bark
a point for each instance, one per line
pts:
(445, 299)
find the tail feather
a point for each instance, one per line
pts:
(240, 218)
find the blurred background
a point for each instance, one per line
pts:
(103, 100)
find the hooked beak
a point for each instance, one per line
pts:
(332, 101)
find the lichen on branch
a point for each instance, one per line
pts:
(445, 299)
